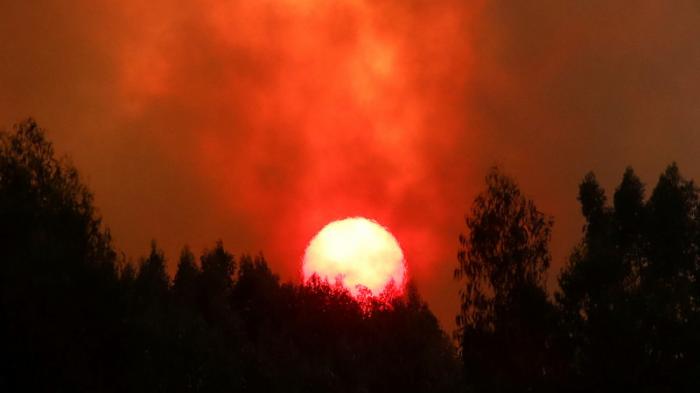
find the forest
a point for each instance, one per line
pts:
(75, 316)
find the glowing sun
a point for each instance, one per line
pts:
(357, 252)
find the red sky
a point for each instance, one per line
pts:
(257, 122)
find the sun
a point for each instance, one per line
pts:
(358, 252)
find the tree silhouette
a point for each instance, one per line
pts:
(152, 282)
(628, 296)
(187, 277)
(668, 280)
(216, 282)
(54, 252)
(256, 295)
(504, 318)
(75, 318)
(415, 355)
(596, 285)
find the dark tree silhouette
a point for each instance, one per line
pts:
(75, 318)
(505, 314)
(256, 296)
(415, 355)
(57, 271)
(595, 286)
(668, 282)
(152, 282)
(216, 282)
(186, 279)
(628, 295)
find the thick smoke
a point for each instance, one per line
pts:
(261, 121)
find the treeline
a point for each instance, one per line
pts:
(75, 317)
(622, 316)
(625, 315)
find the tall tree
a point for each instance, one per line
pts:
(152, 281)
(54, 252)
(215, 284)
(186, 278)
(256, 295)
(503, 326)
(669, 279)
(595, 286)
(628, 292)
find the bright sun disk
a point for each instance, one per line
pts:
(358, 252)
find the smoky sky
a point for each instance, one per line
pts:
(258, 122)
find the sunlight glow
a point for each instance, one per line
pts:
(357, 252)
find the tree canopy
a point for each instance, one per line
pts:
(76, 317)
(503, 324)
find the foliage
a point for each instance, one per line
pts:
(57, 268)
(629, 292)
(505, 314)
(73, 318)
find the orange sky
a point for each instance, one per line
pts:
(257, 122)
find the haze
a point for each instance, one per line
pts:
(260, 122)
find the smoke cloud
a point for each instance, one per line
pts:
(259, 122)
